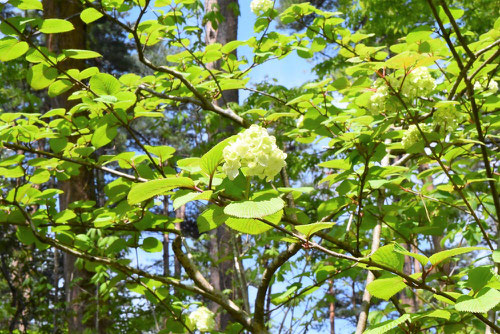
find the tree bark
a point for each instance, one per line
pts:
(220, 247)
(79, 290)
(365, 304)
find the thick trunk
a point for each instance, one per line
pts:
(220, 247)
(79, 291)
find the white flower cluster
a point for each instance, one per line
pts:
(379, 97)
(486, 86)
(260, 6)
(255, 149)
(418, 82)
(411, 137)
(202, 319)
(447, 117)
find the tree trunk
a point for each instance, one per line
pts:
(220, 247)
(79, 290)
(365, 304)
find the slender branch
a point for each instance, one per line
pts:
(454, 24)
(203, 284)
(266, 280)
(79, 162)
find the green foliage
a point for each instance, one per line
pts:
(397, 148)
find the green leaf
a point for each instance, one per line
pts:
(496, 256)
(385, 288)
(54, 26)
(387, 325)
(478, 278)
(40, 76)
(27, 4)
(420, 258)
(442, 314)
(254, 209)
(441, 256)
(182, 197)
(211, 218)
(11, 48)
(104, 134)
(387, 256)
(247, 225)
(485, 300)
(210, 160)
(90, 15)
(143, 191)
(104, 84)
(58, 87)
(25, 235)
(152, 245)
(310, 229)
(336, 164)
(446, 300)
(81, 54)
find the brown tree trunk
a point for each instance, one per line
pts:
(331, 291)
(220, 246)
(79, 290)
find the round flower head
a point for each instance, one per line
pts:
(447, 118)
(418, 82)
(411, 137)
(379, 97)
(202, 319)
(260, 6)
(255, 149)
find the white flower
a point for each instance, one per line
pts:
(447, 117)
(202, 319)
(411, 137)
(260, 6)
(485, 86)
(418, 82)
(255, 149)
(379, 97)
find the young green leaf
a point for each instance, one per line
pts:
(247, 225)
(104, 84)
(310, 229)
(254, 209)
(441, 256)
(385, 255)
(54, 26)
(485, 300)
(11, 48)
(420, 258)
(387, 325)
(81, 54)
(143, 191)
(152, 245)
(385, 288)
(90, 15)
(210, 160)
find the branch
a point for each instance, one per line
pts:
(205, 104)
(266, 280)
(204, 285)
(79, 162)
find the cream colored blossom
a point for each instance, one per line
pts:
(379, 97)
(411, 137)
(255, 149)
(260, 6)
(202, 319)
(485, 86)
(447, 117)
(418, 82)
